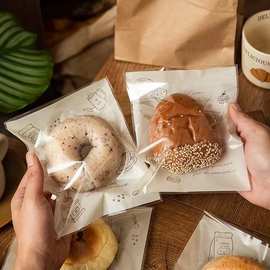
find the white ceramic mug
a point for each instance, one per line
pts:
(256, 49)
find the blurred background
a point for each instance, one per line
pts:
(80, 35)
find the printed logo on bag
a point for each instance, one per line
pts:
(131, 159)
(134, 239)
(136, 224)
(223, 98)
(151, 100)
(135, 236)
(135, 230)
(29, 133)
(77, 211)
(135, 193)
(158, 93)
(221, 245)
(120, 197)
(97, 100)
(63, 205)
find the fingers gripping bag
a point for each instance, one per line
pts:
(115, 242)
(183, 130)
(88, 155)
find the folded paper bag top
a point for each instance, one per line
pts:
(176, 33)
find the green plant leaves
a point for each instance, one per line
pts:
(25, 72)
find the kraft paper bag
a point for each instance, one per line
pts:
(176, 33)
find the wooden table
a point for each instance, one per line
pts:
(176, 217)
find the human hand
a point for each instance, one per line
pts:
(32, 216)
(256, 139)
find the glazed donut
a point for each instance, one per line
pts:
(182, 137)
(233, 263)
(84, 153)
(93, 248)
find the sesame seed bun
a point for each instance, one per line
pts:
(233, 263)
(187, 140)
(93, 248)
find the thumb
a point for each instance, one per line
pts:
(244, 124)
(35, 176)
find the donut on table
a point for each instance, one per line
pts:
(84, 153)
(93, 248)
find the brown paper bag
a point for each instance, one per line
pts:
(176, 33)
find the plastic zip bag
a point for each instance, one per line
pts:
(88, 154)
(180, 120)
(131, 230)
(214, 238)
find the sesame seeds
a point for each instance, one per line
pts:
(187, 158)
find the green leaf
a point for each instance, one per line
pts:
(25, 71)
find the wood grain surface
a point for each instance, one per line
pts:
(176, 217)
(230, 207)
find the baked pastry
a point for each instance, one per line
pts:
(260, 74)
(93, 248)
(233, 263)
(84, 153)
(182, 137)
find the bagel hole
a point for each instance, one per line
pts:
(84, 150)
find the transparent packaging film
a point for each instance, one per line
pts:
(181, 123)
(87, 153)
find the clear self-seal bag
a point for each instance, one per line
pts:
(184, 132)
(131, 230)
(214, 238)
(90, 159)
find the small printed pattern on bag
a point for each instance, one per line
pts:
(97, 100)
(222, 245)
(29, 133)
